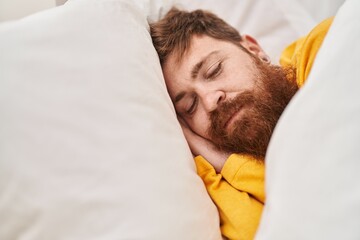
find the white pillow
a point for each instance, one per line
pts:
(90, 147)
(274, 23)
(313, 163)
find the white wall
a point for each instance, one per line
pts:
(14, 9)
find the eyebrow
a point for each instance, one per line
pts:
(196, 69)
(194, 73)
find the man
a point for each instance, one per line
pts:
(229, 97)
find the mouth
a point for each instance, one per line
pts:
(233, 118)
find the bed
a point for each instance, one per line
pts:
(90, 147)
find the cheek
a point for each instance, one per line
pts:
(239, 78)
(200, 124)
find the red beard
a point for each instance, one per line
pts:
(260, 109)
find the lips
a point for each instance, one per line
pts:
(233, 117)
(229, 113)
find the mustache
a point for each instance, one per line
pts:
(225, 110)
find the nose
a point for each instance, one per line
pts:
(212, 99)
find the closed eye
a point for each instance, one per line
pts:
(193, 106)
(215, 71)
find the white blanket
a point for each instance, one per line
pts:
(313, 162)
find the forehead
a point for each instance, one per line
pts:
(199, 46)
(178, 70)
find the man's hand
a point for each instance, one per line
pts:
(204, 147)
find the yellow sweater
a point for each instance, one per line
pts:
(238, 191)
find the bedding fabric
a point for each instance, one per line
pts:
(274, 23)
(313, 162)
(90, 147)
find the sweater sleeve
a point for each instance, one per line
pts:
(245, 174)
(301, 53)
(240, 211)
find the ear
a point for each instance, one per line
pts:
(253, 46)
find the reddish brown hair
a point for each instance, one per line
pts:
(173, 33)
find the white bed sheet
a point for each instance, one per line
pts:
(274, 23)
(312, 173)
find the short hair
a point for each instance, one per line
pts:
(173, 33)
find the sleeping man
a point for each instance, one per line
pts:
(229, 97)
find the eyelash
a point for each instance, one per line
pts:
(215, 72)
(193, 106)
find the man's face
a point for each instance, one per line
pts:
(219, 90)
